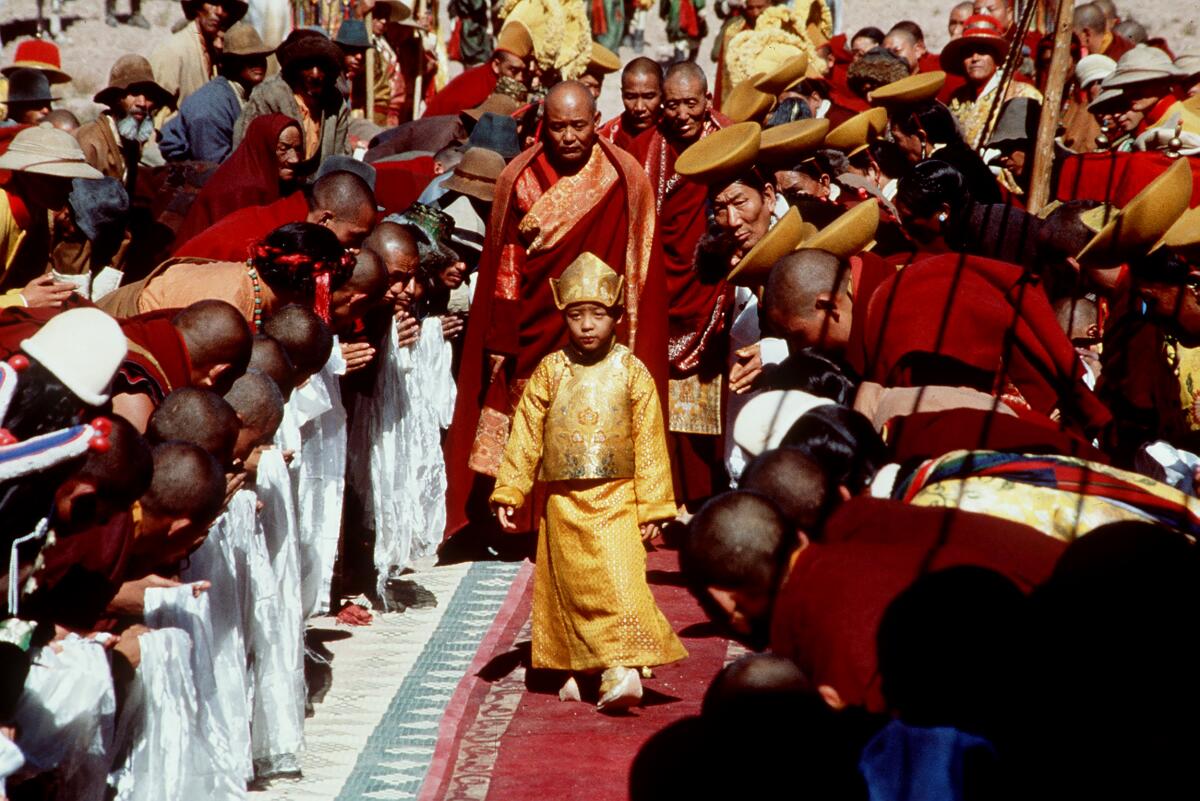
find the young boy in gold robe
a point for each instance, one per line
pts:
(590, 426)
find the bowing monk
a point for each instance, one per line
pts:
(569, 193)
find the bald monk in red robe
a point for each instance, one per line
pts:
(642, 96)
(341, 201)
(570, 193)
(473, 86)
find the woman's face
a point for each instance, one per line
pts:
(979, 66)
(287, 152)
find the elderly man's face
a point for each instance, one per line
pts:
(685, 106)
(958, 20)
(903, 47)
(136, 105)
(742, 213)
(570, 129)
(1000, 9)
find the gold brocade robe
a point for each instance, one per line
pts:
(594, 433)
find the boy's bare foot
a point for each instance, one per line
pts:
(569, 691)
(620, 688)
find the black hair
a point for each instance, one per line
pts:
(825, 161)
(290, 256)
(932, 118)
(870, 32)
(929, 185)
(842, 441)
(813, 372)
(790, 110)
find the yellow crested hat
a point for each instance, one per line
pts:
(1184, 235)
(603, 61)
(744, 103)
(1145, 219)
(781, 68)
(780, 240)
(781, 145)
(722, 155)
(514, 38)
(855, 134)
(587, 280)
(558, 32)
(850, 234)
(913, 89)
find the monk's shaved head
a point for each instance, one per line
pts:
(570, 126)
(362, 292)
(369, 276)
(259, 405)
(188, 483)
(304, 336)
(270, 357)
(799, 277)
(199, 416)
(345, 204)
(689, 73)
(799, 298)
(642, 67)
(751, 679)
(735, 542)
(397, 246)
(793, 481)
(569, 94)
(215, 333)
(122, 472)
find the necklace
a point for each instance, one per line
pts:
(257, 299)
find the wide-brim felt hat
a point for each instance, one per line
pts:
(781, 145)
(133, 72)
(721, 156)
(243, 41)
(352, 33)
(1018, 122)
(980, 31)
(27, 85)
(766, 418)
(477, 173)
(744, 103)
(1144, 219)
(99, 205)
(397, 11)
(38, 54)
(790, 71)
(494, 103)
(913, 89)
(235, 9)
(850, 234)
(1143, 64)
(45, 150)
(1107, 101)
(496, 132)
(603, 61)
(856, 133)
(780, 240)
(304, 46)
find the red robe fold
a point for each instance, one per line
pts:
(466, 91)
(231, 238)
(514, 315)
(1116, 177)
(398, 184)
(157, 362)
(636, 145)
(982, 315)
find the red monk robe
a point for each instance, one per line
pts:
(231, 238)
(699, 319)
(157, 362)
(636, 145)
(466, 91)
(608, 209)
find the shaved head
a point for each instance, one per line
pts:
(121, 472)
(215, 333)
(736, 541)
(199, 416)
(188, 483)
(345, 204)
(364, 289)
(369, 275)
(259, 405)
(570, 126)
(753, 678)
(270, 357)
(396, 246)
(642, 67)
(305, 338)
(689, 73)
(793, 481)
(570, 94)
(63, 120)
(641, 94)
(798, 301)
(1091, 17)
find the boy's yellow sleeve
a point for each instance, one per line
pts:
(523, 453)
(652, 463)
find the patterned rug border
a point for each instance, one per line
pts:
(412, 705)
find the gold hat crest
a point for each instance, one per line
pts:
(587, 280)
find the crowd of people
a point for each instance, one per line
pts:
(910, 378)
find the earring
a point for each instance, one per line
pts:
(943, 216)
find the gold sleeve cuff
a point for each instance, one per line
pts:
(653, 512)
(508, 496)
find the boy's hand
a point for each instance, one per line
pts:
(505, 514)
(650, 531)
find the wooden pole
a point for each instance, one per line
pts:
(418, 82)
(1060, 68)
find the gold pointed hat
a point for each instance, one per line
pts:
(1184, 235)
(913, 89)
(782, 145)
(747, 104)
(781, 69)
(722, 155)
(587, 280)
(780, 240)
(855, 134)
(850, 234)
(1145, 219)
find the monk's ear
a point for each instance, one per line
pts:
(831, 697)
(826, 302)
(178, 525)
(596, 118)
(214, 373)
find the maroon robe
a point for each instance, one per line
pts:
(635, 145)
(928, 435)
(827, 612)
(157, 362)
(398, 184)
(466, 91)
(514, 315)
(231, 238)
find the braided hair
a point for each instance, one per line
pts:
(303, 259)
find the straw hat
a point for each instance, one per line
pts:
(1144, 219)
(133, 72)
(745, 103)
(38, 54)
(766, 419)
(477, 173)
(603, 61)
(587, 280)
(514, 38)
(780, 240)
(850, 234)
(243, 41)
(853, 135)
(86, 371)
(722, 155)
(1142, 64)
(45, 150)
(981, 31)
(786, 74)
(913, 89)
(781, 145)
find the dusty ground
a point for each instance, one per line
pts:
(93, 46)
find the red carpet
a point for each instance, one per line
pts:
(503, 740)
